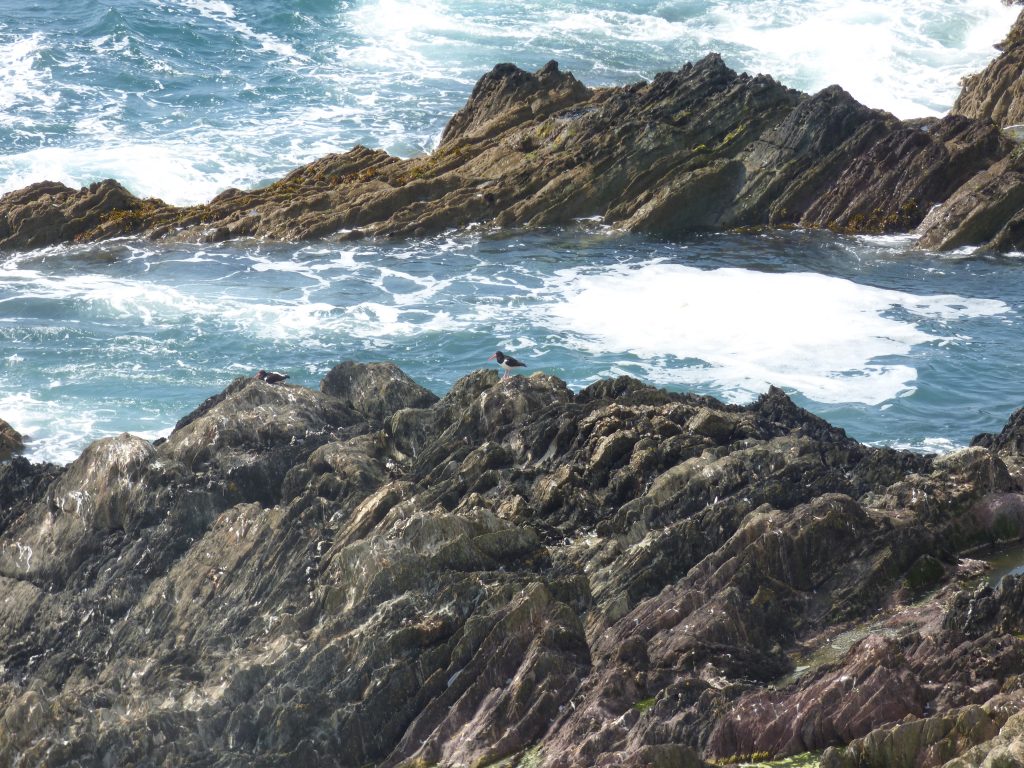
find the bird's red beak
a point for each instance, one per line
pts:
(492, 357)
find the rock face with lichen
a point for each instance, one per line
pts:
(702, 148)
(513, 574)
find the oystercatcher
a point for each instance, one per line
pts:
(271, 377)
(506, 362)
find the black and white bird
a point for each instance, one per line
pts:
(506, 362)
(271, 377)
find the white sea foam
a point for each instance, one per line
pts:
(299, 316)
(144, 321)
(108, 297)
(620, 25)
(434, 23)
(179, 173)
(54, 430)
(58, 429)
(925, 445)
(828, 338)
(894, 56)
(902, 57)
(190, 167)
(392, 72)
(20, 81)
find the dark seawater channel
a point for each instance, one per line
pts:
(897, 346)
(1006, 561)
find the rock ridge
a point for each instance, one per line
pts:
(513, 574)
(699, 149)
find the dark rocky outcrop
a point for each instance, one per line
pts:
(11, 442)
(513, 575)
(988, 208)
(508, 96)
(1008, 445)
(376, 390)
(985, 209)
(702, 148)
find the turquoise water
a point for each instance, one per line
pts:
(182, 98)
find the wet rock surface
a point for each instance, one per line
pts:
(514, 574)
(702, 148)
(11, 441)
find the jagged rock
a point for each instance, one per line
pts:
(868, 691)
(982, 210)
(1006, 749)
(988, 608)
(696, 149)
(11, 442)
(987, 208)
(204, 407)
(918, 167)
(251, 437)
(512, 574)
(654, 756)
(712, 424)
(21, 485)
(97, 493)
(969, 495)
(49, 212)
(1009, 441)
(926, 572)
(1008, 445)
(507, 96)
(912, 664)
(996, 93)
(786, 174)
(921, 743)
(375, 390)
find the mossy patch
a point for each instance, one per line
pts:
(926, 572)
(905, 217)
(763, 760)
(731, 136)
(644, 704)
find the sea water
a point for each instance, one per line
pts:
(180, 99)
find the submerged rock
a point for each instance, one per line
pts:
(701, 148)
(511, 574)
